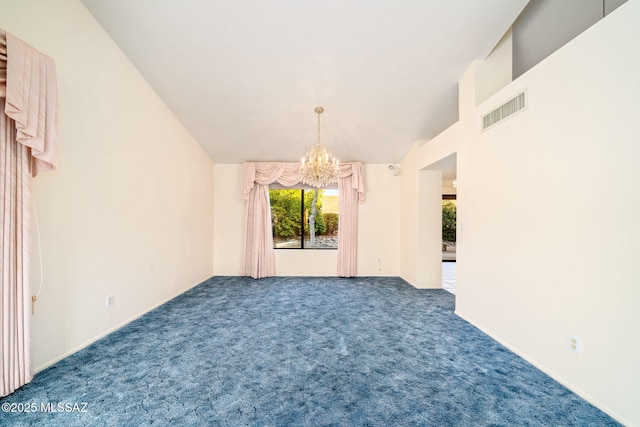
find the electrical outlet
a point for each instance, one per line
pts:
(109, 301)
(574, 344)
(379, 264)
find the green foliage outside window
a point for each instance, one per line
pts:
(285, 212)
(448, 221)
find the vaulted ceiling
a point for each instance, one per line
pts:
(244, 76)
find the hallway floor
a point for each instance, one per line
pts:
(449, 276)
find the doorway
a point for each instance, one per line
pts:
(449, 168)
(449, 210)
(449, 227)
(437, 189)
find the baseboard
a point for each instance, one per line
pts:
(115, 328)
(559, 378)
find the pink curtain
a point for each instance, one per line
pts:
(28, 135)
(15, 220)
(259, 260)
(350, 193)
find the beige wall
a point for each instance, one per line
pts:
(128, 213)
(378, 229)
(228, 220)
(409, 218)
(378, 223)
(556, 255)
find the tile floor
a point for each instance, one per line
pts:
(449, 276)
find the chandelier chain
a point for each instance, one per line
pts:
(318, 128)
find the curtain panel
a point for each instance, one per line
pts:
(350, 193)
(28, 138)
(258, 257)
(15, 222)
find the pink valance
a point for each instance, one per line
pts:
(354, 170)
(288, 175)
(265, 173)
(32, 101)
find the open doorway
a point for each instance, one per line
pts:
(449, 169)
(449, 210)
(435, 181)
(449, 226)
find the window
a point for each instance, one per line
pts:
(292, 218)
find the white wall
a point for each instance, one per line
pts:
(409, 257)
(378, 229)
(429, 230)
(494, 72)
(550, 207)
(228, 220)
(129, 211)
(378, 223)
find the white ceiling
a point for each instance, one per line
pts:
(244, 76)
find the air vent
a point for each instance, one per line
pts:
(515, 105)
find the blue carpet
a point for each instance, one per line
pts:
(235, 351)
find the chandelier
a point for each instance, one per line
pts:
(319, 168)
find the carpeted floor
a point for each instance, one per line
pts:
(300, 352)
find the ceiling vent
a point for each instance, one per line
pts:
(513, 106)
